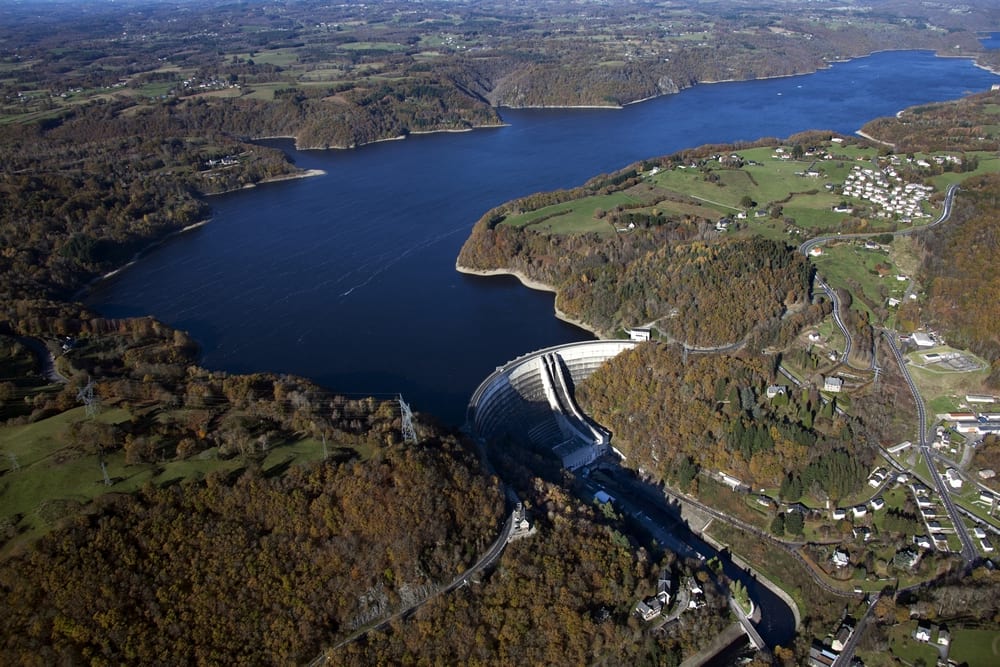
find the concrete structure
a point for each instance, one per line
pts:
(531, 400)
(921, 339)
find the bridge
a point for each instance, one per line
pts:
(530, 399)
(748, 627)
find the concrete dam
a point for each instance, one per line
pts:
(530, 399)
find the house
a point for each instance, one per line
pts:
(877, 503)
(664, 587)
(979, 532)
(859, 511)
(922, 542)
(906, 559)
(833, 385)
(862, 532)
(944, 637)
(953, 477)
(986, 545)
(923, 632)
(775, 390)
(840, 558)
(893, 302)
(841, 637)
(648, 609)
(814, 337)
(839, 514)
(815, 251)
(921, 339)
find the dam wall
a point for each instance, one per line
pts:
(530, 399)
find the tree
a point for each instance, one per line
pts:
(778, 525)
(794, 523)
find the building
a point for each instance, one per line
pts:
(833, 385)
(896, 449)
(923, 632)
(954, 478)
(980, 398)
(839, 514)
(906, 560)
(640, 335)
(840, 558)
(921, 339)
(648, 609)
(775, 390)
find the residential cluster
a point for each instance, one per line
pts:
(886, 189)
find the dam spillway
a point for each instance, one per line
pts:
(530, 399)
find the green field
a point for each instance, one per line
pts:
(977, 648)
(906, 648)
(52, 481)
(719, 187)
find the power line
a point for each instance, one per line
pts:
(408, 431)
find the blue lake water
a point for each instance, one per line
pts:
(349, 278)
(991, 41)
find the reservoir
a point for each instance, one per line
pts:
(348, 278)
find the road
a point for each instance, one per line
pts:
(847, 653)
(806, 246)
(968, 550)
(617, 489)
(949, 199)
(487, 560)
(835, 300)
(46, 361)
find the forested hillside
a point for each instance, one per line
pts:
(961, 271)
(673, 272)
(249, 568)
(968, 124)
(672, 416)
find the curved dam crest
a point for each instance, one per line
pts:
(530, 399)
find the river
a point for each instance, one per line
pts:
(349, 278)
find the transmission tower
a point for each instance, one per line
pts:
(408, 431)
(86, 396)
(104, 471)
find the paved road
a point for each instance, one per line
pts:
(968, 550)
(847, 653)
(949, 200)
(806, 246)
(835, 300)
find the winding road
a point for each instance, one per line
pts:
(806, 246)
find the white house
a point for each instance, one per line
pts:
(840, 558)
(833, 385)
(839, 513)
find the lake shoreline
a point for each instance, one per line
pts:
(530, 283)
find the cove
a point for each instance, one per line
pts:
(348, 278)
